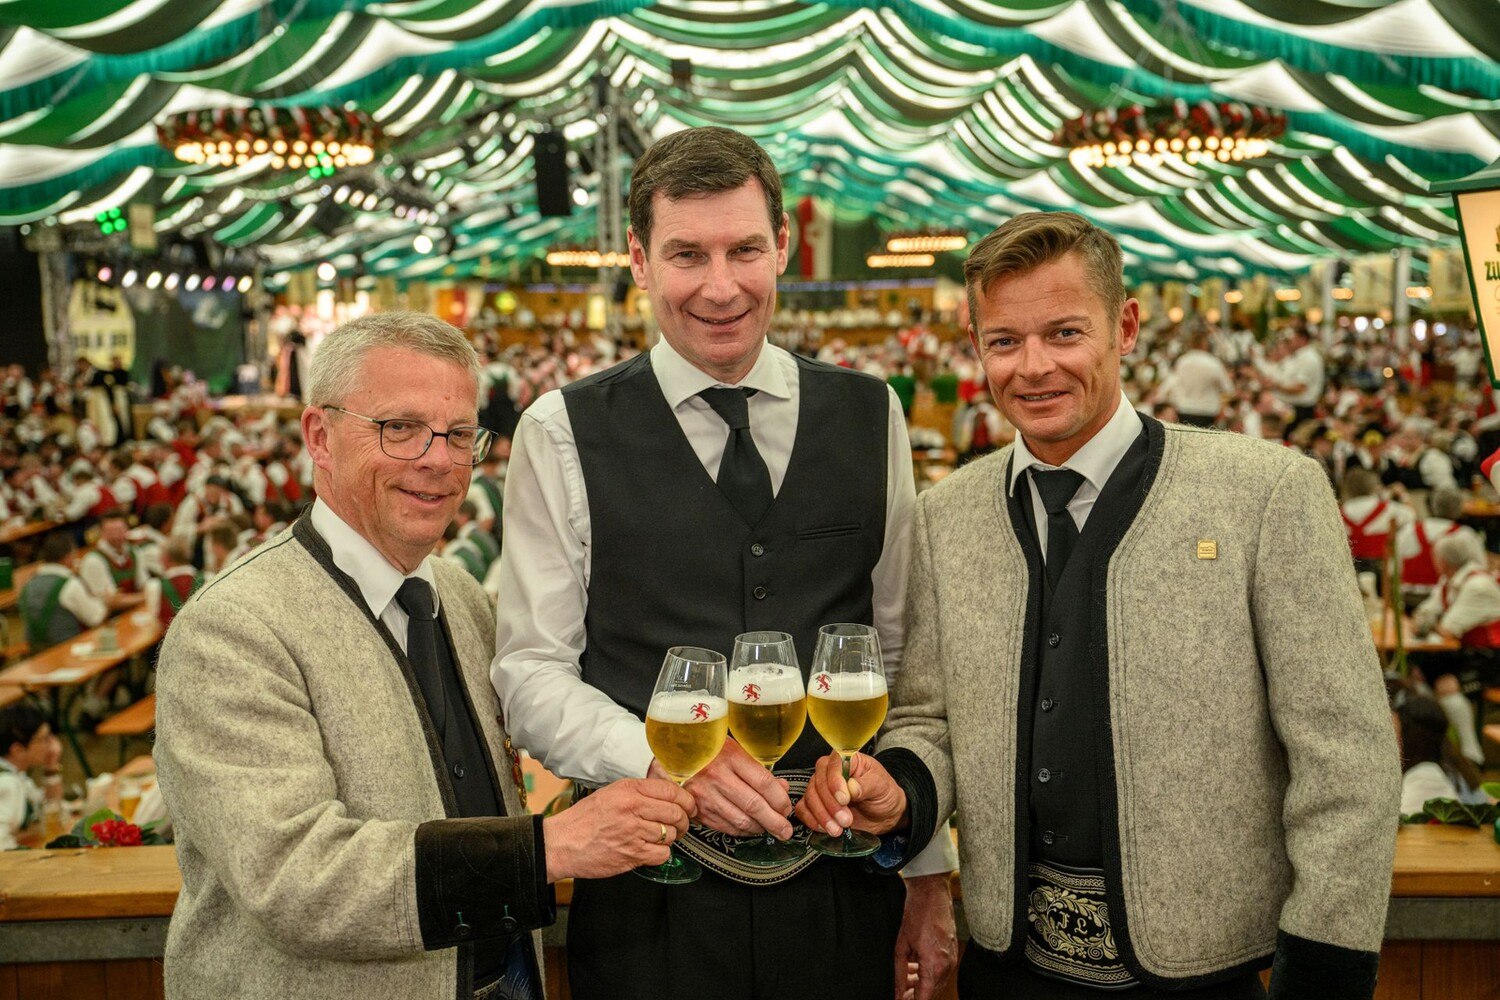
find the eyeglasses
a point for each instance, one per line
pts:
(408, 440)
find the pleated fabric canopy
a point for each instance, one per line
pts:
(920, 113)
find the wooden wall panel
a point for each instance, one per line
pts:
(60, 980)
(135, 979)
(8, 988)
(1461, 970)
(1400, 971)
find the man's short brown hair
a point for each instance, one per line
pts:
(1032, 239)
(696, 161)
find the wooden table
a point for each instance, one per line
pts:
(8, 598)
(10, 695)
(1446, 866)
(1385, 638)
(19, 532)
(133, 721)
(60, 667)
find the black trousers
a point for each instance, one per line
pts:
(982, 975)
(828, 934)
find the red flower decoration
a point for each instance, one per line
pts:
(116, 833)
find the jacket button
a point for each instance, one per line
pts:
(458, 769)
(1048, 836)
(1053, 640)
(1044, 776)
(760, 593)
(461, 929)
(757, 549)
(508, 925)
(1048, 704)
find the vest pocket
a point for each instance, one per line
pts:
(828, 531)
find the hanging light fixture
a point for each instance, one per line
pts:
(1179, 132)
(931, 241)
(584, 257)
(900, 260)
(321, 139)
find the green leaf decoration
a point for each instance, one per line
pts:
(1450, 812)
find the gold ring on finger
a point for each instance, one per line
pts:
(663, 838)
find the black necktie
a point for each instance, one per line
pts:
(415, 598)
(1057, 488)
(742, 473)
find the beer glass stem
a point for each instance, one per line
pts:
(848, 834)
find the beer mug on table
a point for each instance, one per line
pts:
(767, 710)
(847, 702)
(686, 724)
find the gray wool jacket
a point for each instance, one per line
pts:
(1254, 763)
(305, 783)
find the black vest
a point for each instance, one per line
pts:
(1070, 705)
(673, 562)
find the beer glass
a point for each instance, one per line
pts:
(686, 724)
(767, 710)
(847, 700)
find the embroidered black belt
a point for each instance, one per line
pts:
(715, 851)
(1068, 935)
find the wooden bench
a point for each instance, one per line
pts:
(10, 695)
(1492, 695)
(136, 720)
(1492, 732)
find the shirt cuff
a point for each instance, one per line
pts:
(626, 752)
(908, 771)
(481, 878)
(1306, 968)
(939, 856)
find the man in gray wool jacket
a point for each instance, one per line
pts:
(1137, 663)
(346, 798)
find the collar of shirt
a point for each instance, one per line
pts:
(376, 578)
(1097, 459)
(681, 381)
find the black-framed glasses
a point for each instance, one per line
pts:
(408, 440)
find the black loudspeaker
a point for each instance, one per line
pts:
(550, 153)
(25, 340)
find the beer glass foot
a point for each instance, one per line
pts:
(676, 871)
(769, 852)
(853, 844)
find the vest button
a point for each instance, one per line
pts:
(757, 549)
(1048, 837)
(760, 593)
(508, 925)
(1053, 640)
(1044, 776)
(1048, 704)
(458, 769)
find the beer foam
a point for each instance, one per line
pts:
(847, 687)
(687, 706)
(775, 684)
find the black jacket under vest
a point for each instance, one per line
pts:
(673, 562)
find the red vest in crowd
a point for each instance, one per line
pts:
(1480, 636)
(176, 587)
(107, 502)
(1365, 544)
(1420, 570)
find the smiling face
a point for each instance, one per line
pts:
(401, 507)
(711, 273)
(1051, 353)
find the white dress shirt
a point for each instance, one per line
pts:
(375, 577)
(19, 796)
(573, 728)
(75, 597)
(96, 569)
(1466, 600)
(1095, 461)
(1198, 384)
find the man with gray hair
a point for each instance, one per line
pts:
(347, 802)
(1076, 600)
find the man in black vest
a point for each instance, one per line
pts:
(1167, 727)
(713, 486)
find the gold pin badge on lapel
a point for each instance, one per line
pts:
(1208, 548)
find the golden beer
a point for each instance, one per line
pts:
(847, 709)
(767, 732)
(685, 731)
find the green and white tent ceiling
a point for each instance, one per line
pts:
(918, 112)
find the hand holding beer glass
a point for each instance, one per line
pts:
(847, 702)
(686, 724)
(767, 710)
